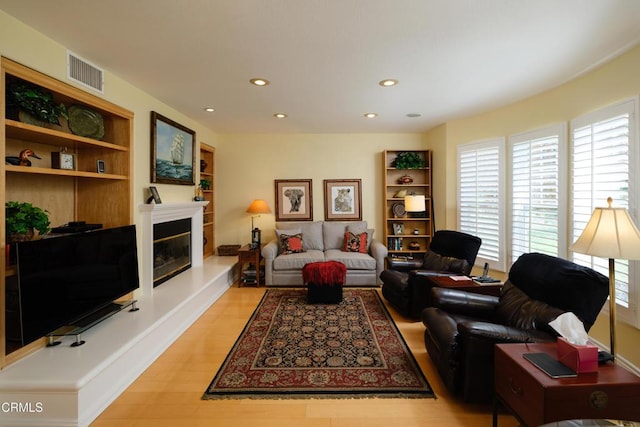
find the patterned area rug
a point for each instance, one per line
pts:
(291, 349)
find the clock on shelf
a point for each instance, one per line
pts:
(63, 160)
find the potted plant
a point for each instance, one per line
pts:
(408, 160)
(22, 219)
(35, 101)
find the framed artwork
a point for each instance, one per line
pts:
(342, 199)
(293, 200)
(172, 151)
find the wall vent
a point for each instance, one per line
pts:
(85, 73)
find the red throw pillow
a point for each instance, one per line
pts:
(355, 242)
(291, 244)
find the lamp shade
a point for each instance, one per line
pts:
(610, 233)
(414, 203)
(258, 206)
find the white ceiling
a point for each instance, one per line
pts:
(324, 58)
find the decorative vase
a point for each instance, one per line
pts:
(405, 179)
(203, 165)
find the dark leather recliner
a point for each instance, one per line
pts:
(462, 328)
(404, 283)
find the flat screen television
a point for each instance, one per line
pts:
(61, 280)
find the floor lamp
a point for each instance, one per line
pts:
(258, 206)
(610, 233)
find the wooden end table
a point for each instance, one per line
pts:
(467, 285)
(249, 255)
(535, 398)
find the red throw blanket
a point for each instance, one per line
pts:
(327, 273)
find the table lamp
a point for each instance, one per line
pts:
(258, 206)
(414, 203)
(610, 233)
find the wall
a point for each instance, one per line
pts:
(612, 82)
(249, 164)
(29, 47)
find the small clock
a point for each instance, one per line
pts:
(62, 160)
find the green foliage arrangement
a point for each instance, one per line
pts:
(408, 160)
(22, 217)
(34, 100)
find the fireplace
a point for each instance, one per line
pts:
(171, 249)
(151, 215)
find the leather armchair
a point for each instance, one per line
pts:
(462, 328)
(405, 283)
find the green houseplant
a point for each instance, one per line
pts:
(23, 218)
(408, 160)
(34, 100)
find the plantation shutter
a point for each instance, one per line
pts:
(480, 205)
(535, 192)
(600, 169)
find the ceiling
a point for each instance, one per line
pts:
(324, 58)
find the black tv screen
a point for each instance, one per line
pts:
(62, 279)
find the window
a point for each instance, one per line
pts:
(537, 188)
(604, 150)
(481, 197)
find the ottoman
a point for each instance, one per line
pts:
(324, 281)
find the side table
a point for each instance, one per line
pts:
(535, 398)
(466, 285)
(252, 257)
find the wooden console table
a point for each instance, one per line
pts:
(535, 398)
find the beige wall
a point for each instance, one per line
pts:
(608, 84)
(247, 166)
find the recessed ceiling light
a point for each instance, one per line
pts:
(209, 110)
(280, 116)
(414, 115)
(259, 82)
(371, 115)
(388, 82)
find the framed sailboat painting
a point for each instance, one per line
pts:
(172, 151)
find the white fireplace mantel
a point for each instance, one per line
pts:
(165, 212)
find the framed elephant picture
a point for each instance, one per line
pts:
(293, 200)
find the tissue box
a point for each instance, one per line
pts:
(580, 358)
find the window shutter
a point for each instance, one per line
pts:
(480, 204)
(600, 159)
(535, 192)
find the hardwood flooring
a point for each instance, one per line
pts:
(168, 393)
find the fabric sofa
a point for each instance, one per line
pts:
(323, 241)
(462, 328)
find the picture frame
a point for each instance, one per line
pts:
(398, 228)
(294, 201)
(172, 151)
(342, 199)
(155, 196)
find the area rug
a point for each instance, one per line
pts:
(290, 349)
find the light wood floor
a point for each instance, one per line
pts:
(169, 392)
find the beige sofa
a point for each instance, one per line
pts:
(323, 241)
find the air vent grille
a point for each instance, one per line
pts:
(82, 71)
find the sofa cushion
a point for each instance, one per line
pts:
(298, 260)
(517, 309)
(311, 232)
(355, 242)
(436, 262)
(333, 232)
(353, 260)
(291, 244)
